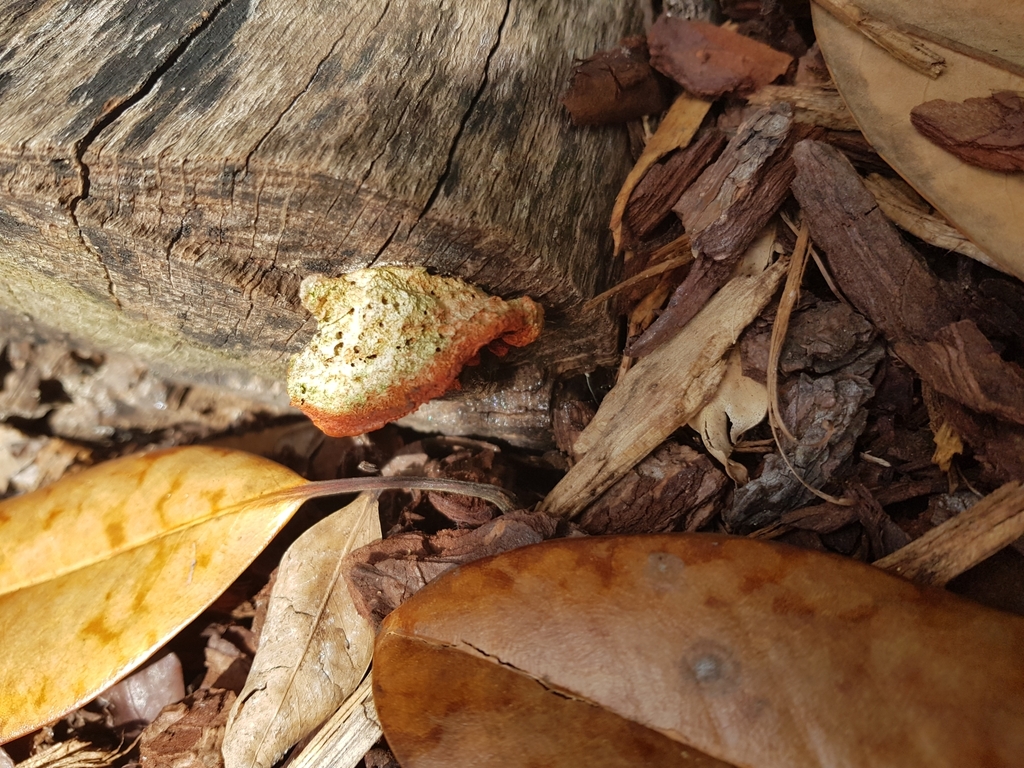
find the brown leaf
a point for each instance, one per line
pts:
(711, 61)
(988, 132)
(745, 653)
(314, 647)
(614, 86)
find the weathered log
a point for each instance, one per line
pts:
(170, 171)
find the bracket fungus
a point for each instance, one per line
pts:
(391, 338)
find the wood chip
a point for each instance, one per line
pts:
(676, 130)
(661, 393)
(906, 210)
(813, 104)
(986, 132)
(709, 60)
(675, 488)
(963, 541)
(614, 86)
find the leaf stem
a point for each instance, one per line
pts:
(319, 488)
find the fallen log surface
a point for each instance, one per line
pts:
(171, 171)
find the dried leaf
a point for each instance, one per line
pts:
(981, 44)
(738, 405)
(314, 648)
(695, 650)
(155, 537)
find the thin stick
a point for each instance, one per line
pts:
(961, 542)
(657, 269)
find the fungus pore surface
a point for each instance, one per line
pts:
(391, 338)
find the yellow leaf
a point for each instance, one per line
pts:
(314, 647)
(101, 568)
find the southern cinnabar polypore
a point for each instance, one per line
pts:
(391, 338)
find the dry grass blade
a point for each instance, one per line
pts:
(657, 269)
(74, 754)
(790, 295)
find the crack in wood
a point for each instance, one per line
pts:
(82, 145)
(484, 81)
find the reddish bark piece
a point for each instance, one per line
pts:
(383, 575)
(882, 276)
(614, 86)
(664, 183)
(987, 132)
(392, 338)
(188, 734)
(961, 363)
(724, 210)
(710, 61)
(674, 488)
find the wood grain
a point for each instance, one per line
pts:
(190, 162)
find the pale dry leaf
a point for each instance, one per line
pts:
(100, 568)
(346, 737)
(314, 648)
(987, 206)
(739, 404)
